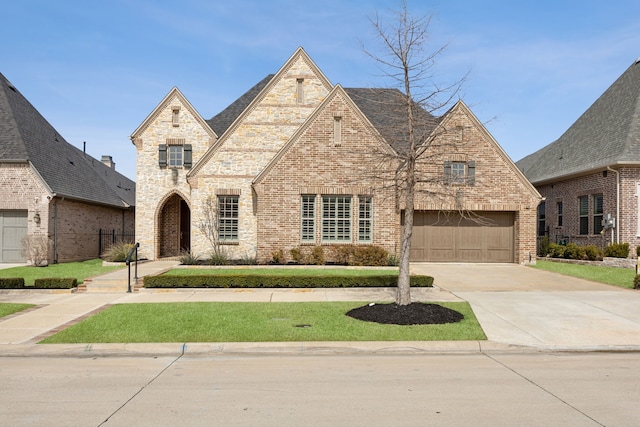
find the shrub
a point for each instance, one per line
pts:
(342, 254)
(35, 247)
(638, 250)
(593, 253)
(11, 283)
(217, 258)
(636, 282)
(277, 257)
(188, 258)
(544, 249)
(256, 281)
(118, 252)
(369, 255)
(393, 260)
(556, 251)
(247, 260)
(55, 283)
(617, 250)
(317, 256)
(297, 255)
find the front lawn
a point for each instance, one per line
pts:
(254, 322)
(622, 277)
(79, 270)
(10, 308)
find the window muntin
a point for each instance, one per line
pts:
(365, 205)
(228, 218)
(336, 218)
(583, 203)
(308, 219)
(559, 208)
(175, 156)
(542, 218)
(598, 211)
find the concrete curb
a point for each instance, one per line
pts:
(288, 349)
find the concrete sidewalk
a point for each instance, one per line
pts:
(519, 308)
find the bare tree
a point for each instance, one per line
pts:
(417, 133)
(209, 226)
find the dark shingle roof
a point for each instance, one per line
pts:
(221, 121)
(607, 133)
(27, 136)
(385, 109)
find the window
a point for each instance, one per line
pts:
(228, 218)
(559, 211)
(299, 91)
(542, 218)
(583, 202)
(337, 130)
(308, 219)
(336, 218)
(175, 156)
(460, 172)
(364, 219)
(597, 213)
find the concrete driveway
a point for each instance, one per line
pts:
(524, 306)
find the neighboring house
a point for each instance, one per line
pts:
(592, 172)
(293, 162)
(51, 193)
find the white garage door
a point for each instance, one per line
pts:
(452, 238)
(13, 227)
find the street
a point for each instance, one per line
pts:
(471, 389)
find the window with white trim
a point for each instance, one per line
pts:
(228, 218)
(583, 206)
(308, 219)
(458, 172)
(598, 213)
(559, 211)
(336, 218)
(175, 156)
(365, 217)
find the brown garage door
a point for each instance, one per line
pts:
(440, 237)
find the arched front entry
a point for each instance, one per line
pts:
(174, 227)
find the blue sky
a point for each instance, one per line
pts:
(95, 70)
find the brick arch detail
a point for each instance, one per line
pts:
(159, 243)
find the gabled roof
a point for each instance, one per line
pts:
(221, 121)
(386, 110)
(607, 134)
(26, 136)
(231, 119)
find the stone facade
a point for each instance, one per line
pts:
(622, 204)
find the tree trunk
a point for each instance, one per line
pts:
(403, 295)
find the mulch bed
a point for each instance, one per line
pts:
(416, 313)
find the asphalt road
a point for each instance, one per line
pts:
(500, 389)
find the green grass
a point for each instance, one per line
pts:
(254, 322)
(622, 277)
(79, 270)
(10, 308)
(283, 271)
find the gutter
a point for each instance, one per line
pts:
(585, 172)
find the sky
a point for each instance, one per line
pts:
(96, 69)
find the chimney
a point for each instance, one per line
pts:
(107, 160)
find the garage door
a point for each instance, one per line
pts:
(440, 237)
(13, 227)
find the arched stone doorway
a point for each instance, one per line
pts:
(174, 227)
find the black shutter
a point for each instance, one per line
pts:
(447, 172)
(187, 156)
(471, 172)
(162, 155)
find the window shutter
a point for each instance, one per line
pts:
(447, 172)
(471, 172)
(162, 155)
(187, 156)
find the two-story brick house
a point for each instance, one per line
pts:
(297, 161)
(592, 172)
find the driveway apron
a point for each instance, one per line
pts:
(521, 305)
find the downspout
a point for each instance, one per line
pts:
(617, 203)
(55, 230)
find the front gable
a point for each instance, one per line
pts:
(496, 185)
(259, 132)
